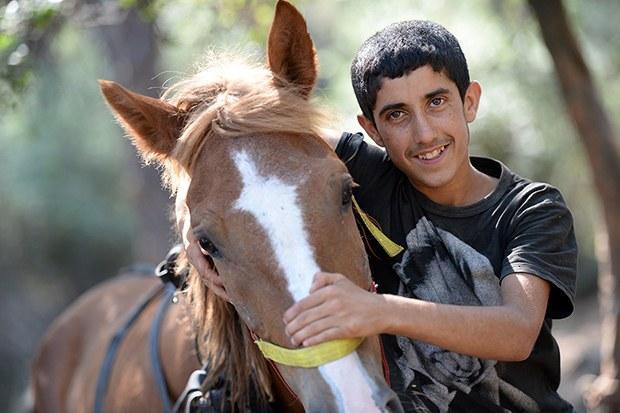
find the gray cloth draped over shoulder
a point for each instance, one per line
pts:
(440, 268)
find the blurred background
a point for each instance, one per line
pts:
(76, 205)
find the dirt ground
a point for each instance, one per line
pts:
(579, 337)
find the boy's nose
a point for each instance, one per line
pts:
(423, 132)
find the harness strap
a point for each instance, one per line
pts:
(384, 362)
(277, 376)
(108, 360)
(158, 372)
(193, 390)
(391, 248)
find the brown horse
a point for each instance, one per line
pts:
(265, 196)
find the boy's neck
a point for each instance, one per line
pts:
(474, 187)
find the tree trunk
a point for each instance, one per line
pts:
(132, 49)
(596, 132)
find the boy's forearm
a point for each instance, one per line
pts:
(485, 332)
(497, 332)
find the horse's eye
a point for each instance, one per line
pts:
(208, 247)
(347, 194)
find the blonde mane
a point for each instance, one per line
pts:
(229, 98)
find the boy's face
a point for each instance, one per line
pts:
(421, 121)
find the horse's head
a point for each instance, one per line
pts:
(268, 200)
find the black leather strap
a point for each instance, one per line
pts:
(110, 356)
(158, 371)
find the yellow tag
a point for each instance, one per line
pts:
(312, 356)
(390, 247)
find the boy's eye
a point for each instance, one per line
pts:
(437, 101)
(396, 115)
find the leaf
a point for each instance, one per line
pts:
(7, 41)
(41, 18)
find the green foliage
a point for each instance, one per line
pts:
(60, 172)
(239, 25)
(23, 25)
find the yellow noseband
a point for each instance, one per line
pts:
(312, 356)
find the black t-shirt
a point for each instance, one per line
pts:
(460, 255)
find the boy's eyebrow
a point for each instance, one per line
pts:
(391, 106)
(438, 91)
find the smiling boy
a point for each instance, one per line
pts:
(488, 259)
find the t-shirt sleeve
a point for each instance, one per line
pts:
(366, 163)
(542, 243)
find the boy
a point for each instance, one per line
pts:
(489, 257)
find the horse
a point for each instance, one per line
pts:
(240, 148)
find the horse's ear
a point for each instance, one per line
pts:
(290, 50)
(153, 125)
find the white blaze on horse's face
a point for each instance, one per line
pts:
(274, 204)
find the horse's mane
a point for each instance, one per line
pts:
(229, 98)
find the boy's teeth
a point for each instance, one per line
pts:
(431, 154)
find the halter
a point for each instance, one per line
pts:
(389, 246)
(308, 357)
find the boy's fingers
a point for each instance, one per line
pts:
(312, 334)
(323, 279)
(312, 300)
(306, 318)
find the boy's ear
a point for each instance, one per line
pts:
(471, 101)
(153, 125)
(370, 129)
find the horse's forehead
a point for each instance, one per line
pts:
(217, 175)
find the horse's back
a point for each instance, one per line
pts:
(67, 366)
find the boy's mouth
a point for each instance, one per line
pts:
(432, 154)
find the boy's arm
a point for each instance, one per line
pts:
(331, 137)
(337, 308)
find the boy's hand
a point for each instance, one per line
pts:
(336, 308)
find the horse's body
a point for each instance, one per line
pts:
(70, 361)
(270, 203)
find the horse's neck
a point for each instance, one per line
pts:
(179, 358)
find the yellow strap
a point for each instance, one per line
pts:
(312, 356)
(389, 246)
